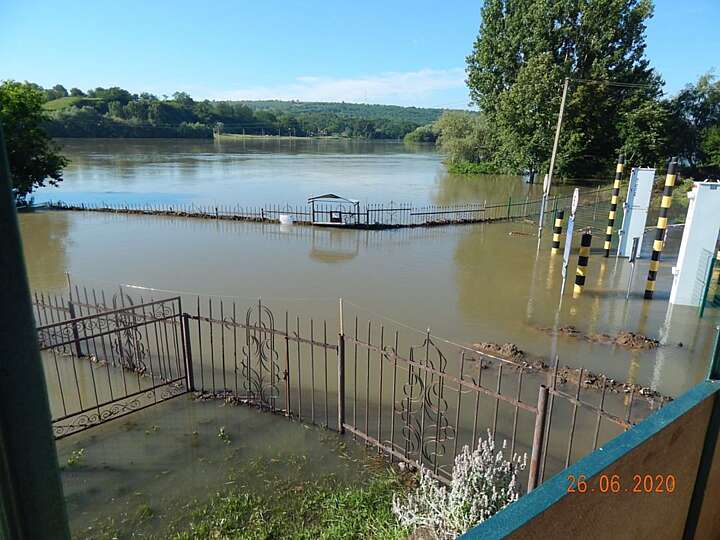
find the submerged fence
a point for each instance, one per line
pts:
(413, 396)
(369, 216)
(105, 361)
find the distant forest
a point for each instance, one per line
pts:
(115, 112)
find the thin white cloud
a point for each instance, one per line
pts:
(409, 88)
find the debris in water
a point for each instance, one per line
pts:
(628, 340)
(511, 353)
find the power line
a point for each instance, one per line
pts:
(608, 82)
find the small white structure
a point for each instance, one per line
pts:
(698, 244)
(635, 210)
(286, 219)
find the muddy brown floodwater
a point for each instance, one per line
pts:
(468, 283)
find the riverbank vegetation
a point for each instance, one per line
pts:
(116, 112)
(515, 75)
(34, 159)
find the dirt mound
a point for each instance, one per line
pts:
(628, 340)
(511, 352)
(632, 340)
(567, 375)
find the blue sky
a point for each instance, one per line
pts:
(399, 52)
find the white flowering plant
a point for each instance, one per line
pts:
(483, 482)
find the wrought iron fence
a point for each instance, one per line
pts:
(286, 366)
(370, 216)
(420, 399)
(109, 363)
(416, 398)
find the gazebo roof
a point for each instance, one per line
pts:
(332, 197)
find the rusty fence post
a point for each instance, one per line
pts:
(341, 373)
(288, 413)
(76, 334)
(341, 383)
(538, 436)
(189, 375)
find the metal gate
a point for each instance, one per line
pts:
(108, 364)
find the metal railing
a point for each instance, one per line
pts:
(111, 362)
(415, 397)
(372, 216)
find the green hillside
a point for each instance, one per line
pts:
(415, 115)
(70, 101)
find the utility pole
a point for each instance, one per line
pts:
(557, 129)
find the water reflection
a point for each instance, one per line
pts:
(454, 189)
(46, 237)
(334, 246)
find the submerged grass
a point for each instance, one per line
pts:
(323, 509)
(277, 498)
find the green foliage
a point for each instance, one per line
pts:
(412, 115)
(70, 101)
(644, 131)
(76, 457)
(463, 137)
(695, 116)
(34, 160)
(710, 146)
(115, 112)
(223, 436)
(468, 167)
(56, 92)
(523, 52)
(324, 509)
(422, 134)
(525, 117)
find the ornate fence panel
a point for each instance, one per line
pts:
(420, 399)
(415, 397)
(248, 356)
(108, 364)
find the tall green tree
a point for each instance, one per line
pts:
(711, 147)
(463, 137)
(524, 50)
(694, 111)
(34, 159)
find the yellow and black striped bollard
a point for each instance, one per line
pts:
(583, 257)
(557, 231)
(660, 229)
(613, 204)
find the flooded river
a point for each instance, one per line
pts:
(467, 283)
(257, 172)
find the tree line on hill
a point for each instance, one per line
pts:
(116, 112)
(524, 51)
